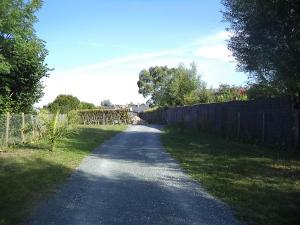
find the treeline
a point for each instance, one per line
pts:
(183, 86)
(265, 42)
(66, 103)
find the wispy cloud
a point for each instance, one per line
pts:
(116, 78)
(132, 58)
(212, 47)
(96, 44)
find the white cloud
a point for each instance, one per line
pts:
(214, 47)
(217, 37)
(219, 52)
(116, 79)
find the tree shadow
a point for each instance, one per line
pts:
(22, 183)
(126, 198)
(260, 182)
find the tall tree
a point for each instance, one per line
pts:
(106, 103)
(64, 104)
(226, 93)
(172, 86)
(87, 105)
(266, 41)
(154, 83)
(22, 56)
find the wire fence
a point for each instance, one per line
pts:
(18, 128)
(26, 128)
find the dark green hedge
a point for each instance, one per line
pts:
(104, 116)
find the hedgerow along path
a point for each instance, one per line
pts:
(132, 180)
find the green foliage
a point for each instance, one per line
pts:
(22, 56)
(266, 41)
(55, 127)
(172, 86)
(226, 93)
(104, 116)
(29, 173)
(261, 185)
(256, 91)
(106, 103)
(64, 104)
(86, 105)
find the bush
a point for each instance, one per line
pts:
(104, 116)
(55, 127)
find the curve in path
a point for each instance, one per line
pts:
(131, 180)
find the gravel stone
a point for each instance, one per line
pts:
(131, 180)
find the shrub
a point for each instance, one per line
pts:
(104, 116)
(54, 127)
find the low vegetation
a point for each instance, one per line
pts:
(29, 172)
(261, 185)
(104, 116)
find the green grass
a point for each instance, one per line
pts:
(30, 172)
(261, 185)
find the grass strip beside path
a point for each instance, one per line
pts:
(261, 185)
(29, 172)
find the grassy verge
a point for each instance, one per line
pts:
(29, 172)
(261, 185)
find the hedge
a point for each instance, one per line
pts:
(104, 116)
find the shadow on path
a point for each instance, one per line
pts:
(131, 180)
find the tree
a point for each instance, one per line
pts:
(86, 105)
(64, 104)
(265, 41)
(54, 127)
(106, 103)
(172, 86)
(22, 56)
(154, 83)
(256, 91)
(186, 88)
(226, 92)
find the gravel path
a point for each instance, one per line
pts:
(131, 180)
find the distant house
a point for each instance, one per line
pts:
(138, 108)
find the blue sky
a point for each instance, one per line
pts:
(97, 48)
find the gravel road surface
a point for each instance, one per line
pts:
(131, 180)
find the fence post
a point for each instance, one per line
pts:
(297, 129)
(104, 119)
(23, 128)
(263, 128)
(32, 124)
(238, 124)
(7, 128)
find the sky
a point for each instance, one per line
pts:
(97, 48)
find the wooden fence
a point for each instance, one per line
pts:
(272, 122)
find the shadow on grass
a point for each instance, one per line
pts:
(261, 184)
(28, 172)
(87, 138)
(22, 181)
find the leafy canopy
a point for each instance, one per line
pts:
(64, 104)
(87, 105)
(67, 103)
(106, 103)
(265, 41)
(226, 93)
(22, 56)
(172, 86)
